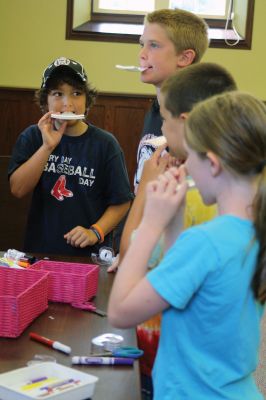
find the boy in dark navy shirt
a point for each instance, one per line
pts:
(76, 171)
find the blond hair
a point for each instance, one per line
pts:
(185, 29)
(232, 125)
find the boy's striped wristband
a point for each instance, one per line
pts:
(98, 232)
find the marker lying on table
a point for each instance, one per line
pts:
(58, 384)
(36, 383)
(40, 379)
(51, 343)
(102, 360)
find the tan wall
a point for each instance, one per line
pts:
(32, 34)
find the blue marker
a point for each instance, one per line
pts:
(57, 384)
(41, 378)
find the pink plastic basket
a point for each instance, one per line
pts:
(23, 297)
(70, 282)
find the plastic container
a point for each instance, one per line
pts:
(16, 384)
(69, 282)
(23, 297)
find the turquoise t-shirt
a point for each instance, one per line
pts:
(210, 334)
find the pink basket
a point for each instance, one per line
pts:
(70, 282)
(23, 297)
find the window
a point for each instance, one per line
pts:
(120, 6)
(206, 8)
(122, 21)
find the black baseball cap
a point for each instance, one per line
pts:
(64, 62)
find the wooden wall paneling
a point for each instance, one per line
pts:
(17, 111)
(96, 115)
(124, 117)
(128, 126)
(13, 212)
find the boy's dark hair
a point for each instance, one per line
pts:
(194, 84)
(59, 76)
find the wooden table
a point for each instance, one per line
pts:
(76, 328)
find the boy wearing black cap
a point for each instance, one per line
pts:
(76, 171)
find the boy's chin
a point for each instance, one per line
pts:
(146, 78)
(70, 122)
(69, 125)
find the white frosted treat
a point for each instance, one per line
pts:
(156, 141)
(67, 116)
(131, 68)
(190, 183)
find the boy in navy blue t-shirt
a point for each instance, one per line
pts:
(76, 171)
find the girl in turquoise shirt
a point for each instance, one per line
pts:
(210, 285)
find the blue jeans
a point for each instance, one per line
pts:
(146, 387)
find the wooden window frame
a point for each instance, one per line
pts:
(101, 28)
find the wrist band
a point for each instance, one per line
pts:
(98, 232)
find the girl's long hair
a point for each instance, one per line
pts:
(233, 126)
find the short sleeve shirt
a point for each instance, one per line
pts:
(83, 176)
(210, 333)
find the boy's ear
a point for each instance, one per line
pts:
(186, 57)
(215, 163)
(44, 108)
(184, 116)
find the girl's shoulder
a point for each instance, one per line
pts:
(225, 231)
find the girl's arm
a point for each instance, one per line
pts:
(153, 167)
(133, 300)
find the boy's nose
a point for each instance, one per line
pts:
(67, 101)
(143, 53)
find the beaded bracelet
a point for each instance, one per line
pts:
(98, 232)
